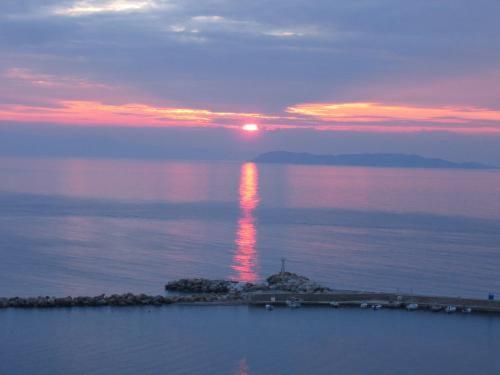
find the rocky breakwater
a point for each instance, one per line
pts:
(286, 282)
(194, 290)
(127, 299)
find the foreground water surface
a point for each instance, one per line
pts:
(246, 341)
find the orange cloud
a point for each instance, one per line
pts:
(360, 117)
(93, 113)
(375, 112)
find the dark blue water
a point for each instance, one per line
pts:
(241, 340)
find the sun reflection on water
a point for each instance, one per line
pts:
(245, 259)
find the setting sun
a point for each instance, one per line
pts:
(250, 127)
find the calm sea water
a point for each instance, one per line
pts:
(246, 341)
(86, 227)
(73, 227)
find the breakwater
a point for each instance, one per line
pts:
(127, 299)
(277, 290)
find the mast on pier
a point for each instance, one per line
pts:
(283, 260)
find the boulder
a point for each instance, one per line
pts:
(291, 282)
(199, 285)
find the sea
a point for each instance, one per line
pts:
(93, 226)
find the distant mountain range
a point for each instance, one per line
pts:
(365, 160)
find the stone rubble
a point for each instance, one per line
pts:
(200, 291)
(127, 299)
(286, 281)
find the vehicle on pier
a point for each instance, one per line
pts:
(450, 309)
(412, 306)
(294, 303)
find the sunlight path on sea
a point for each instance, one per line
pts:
(245, 259)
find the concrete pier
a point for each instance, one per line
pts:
(387, 300)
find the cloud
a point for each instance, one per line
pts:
(89, 7)
(24, 86)
(133, 114)
(260, 57)
(378, 112)
(51, 81)
(357, 117)
(214, 27)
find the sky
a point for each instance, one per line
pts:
(178, 78)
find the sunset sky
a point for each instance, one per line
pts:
(327, 76)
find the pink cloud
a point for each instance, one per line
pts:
(32, 78)
(362, 117)
(39, 97)
(94, 113)
(459, 119)
(378, 112)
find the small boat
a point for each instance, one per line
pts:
(364, 305)
(269, 307)
(412, 306)
(467, 310)
(450, 309)
(334, 304)
(436, 308)
(293, 303)
(377, 306)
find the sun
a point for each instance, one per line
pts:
(250, 127)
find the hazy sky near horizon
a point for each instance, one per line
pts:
(325, 75)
